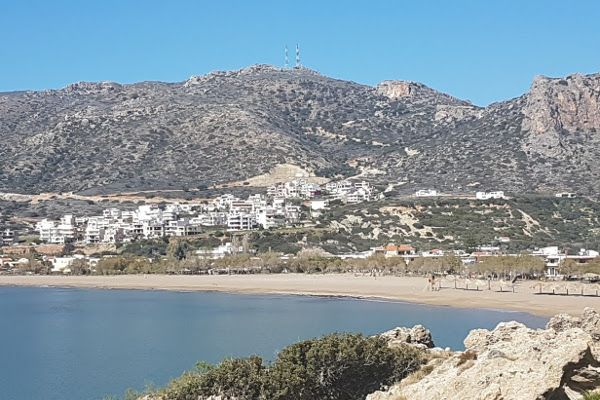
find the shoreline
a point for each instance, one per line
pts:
(387, 288)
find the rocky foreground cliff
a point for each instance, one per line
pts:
(230, 126)
(510, 362)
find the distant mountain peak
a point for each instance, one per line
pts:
(252, 70)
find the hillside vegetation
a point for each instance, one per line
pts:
(527, 222)
(230, 126)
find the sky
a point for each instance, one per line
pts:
(483, 51)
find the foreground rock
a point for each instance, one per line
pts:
(417, 336)
(513, 362)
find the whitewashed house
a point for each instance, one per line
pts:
(319, 204)
(489, 195)
(221, 251)
(565, 195)
(426, 193)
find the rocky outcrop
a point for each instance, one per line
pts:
(395, 89)
(417, 92)
(513, 362)
(556, 104)
(418, 336)
(557, 108)
(589, 322)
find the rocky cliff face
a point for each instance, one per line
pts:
(513, 362)
(557, 109)
(229, 126)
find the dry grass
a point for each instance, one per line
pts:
(466, 356)
(418, 375)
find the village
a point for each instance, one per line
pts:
(295, 203)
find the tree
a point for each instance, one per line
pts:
(233, 261)
(531, 265)
(452, 263)
(80, 266)
(177, 249)
(568, 267)
(571, 267)
(270, 260)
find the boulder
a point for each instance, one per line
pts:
(589, 322)
(418, 336)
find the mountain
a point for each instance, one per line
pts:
(230, 126)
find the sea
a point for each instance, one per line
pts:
(90, 344)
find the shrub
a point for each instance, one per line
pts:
(339, 367)
(241, 378)
(334, 367)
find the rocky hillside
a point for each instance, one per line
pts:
(230, 126)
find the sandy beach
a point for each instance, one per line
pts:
(411, 289)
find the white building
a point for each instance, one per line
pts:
(7, 237)
(224, 202)
(182, 227)
(565, 195)
(269, 217)
(426, 193)
(357, 196)
(153, 229)
(94, 230)
(292, 213)
(489, 195)
(241, 222)
(54, 232)
(219, 251)
(320, 204)
(212, 218)
(297, 188)
(62, 264)
(149, 213)
(552, 257)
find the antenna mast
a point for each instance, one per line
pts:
(287, 61)
(297, 56)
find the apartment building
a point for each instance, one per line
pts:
(241, 221)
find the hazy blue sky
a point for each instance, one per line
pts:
(479, 50)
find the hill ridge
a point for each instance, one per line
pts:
(227, 126)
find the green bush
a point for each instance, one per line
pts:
(241, 378)
(334, 367)
(339, 367)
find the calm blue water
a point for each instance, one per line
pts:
(72, 344)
